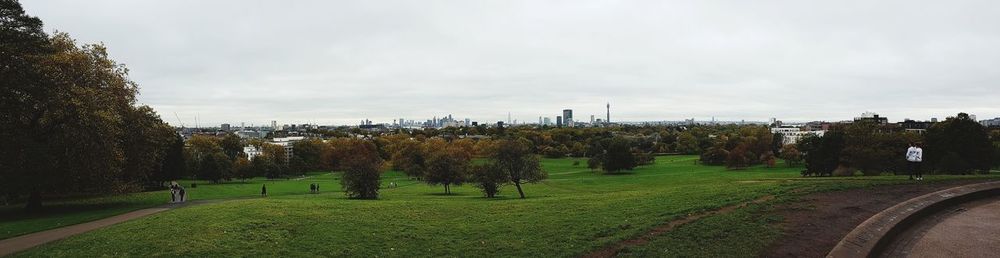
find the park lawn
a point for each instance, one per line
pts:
(14, 221)
(573, 212)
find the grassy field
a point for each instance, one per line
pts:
(573, 212)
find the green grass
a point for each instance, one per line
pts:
(573, 212)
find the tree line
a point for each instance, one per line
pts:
(70, 119)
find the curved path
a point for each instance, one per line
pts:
(24, 242)
(966, 230)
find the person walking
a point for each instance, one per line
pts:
(914, 156)
(263, 191)
(181, 193)
(173, 192)
(312, 188)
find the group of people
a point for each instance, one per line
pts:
(314, 188)
(915, 155)
(177, 193)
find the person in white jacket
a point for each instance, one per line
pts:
(915, 155)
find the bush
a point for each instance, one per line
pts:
(714, 156)
(488, 178)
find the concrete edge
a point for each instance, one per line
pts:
(871, 237)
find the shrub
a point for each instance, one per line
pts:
(488, 178)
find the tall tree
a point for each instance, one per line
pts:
(410, 157)
(310, 152)
(63, 109)
(232, 146)
(362, 169)
(513, 156)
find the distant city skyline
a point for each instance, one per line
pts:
(344, 61)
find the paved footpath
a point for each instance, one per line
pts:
(974, 232)
(20, 243)
(969, 230)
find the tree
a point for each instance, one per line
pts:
(739, 157)
(714, 156)
(447, 166)
(791, 155)
(277, 156)
(362, 170)
(410, 158)
(63, 112)
(242, 169)
(687, 143)
(958, 145)
(513, 157)
(310, 152)
(216, 167)
(594, 162)
(232, 146)
(145, 145)
(618, 155)
(822, 154)
(489, 178)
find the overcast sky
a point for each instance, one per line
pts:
(337, 62)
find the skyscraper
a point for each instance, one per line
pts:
(608, 119)
(559, 121)
(568, 117)
(591, 120)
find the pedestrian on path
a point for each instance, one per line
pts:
(263, 190)
(181, 193)
(173, 191)
(914, 156)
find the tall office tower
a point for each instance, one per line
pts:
(540, 121)
(559, 121)
(608, 119)
(548, 121)
(508, 117)
(591, 119)
(468, 121)
(274, 125)
(402, 122)
(568, 117)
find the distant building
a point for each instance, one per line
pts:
(872, 117)
(592, 119)
(274, 125)
(559, 121)
(224, 127)
(252, 152)
(915, 126)
(792, 135)
(568, 117)
(995, 122)
(547, 121)
(287, 143)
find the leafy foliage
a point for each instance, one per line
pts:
(362, 169)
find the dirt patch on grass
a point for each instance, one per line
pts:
(814, 223)
(612, 250)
